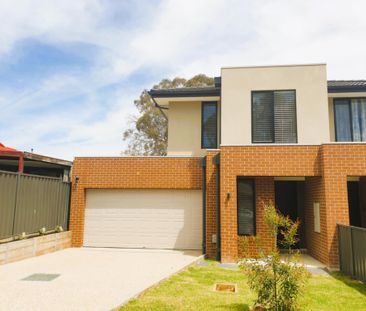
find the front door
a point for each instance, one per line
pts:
(289, 196)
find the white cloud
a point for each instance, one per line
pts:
(165, 39)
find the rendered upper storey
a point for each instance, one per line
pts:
(292, 104)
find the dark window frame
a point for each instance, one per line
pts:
(252, 180)
(273, 119)
(202, 123)
(348, 99)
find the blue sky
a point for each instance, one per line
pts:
(70, 70)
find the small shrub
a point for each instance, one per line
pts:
(277, 282)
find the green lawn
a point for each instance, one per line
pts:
(192, 289)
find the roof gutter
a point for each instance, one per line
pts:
(346, 89)
(159, 107)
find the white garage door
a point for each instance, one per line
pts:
(166, 219)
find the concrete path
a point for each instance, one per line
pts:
(311, 264)
(86, 278)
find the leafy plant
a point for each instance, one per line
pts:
(277, 281)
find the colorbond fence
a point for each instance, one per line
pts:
(29, 202)
(352, 251)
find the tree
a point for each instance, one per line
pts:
(148, 134)
(277, 281)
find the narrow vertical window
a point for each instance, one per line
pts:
(209, 125)
(246, 206)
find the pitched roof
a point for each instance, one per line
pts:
(338, 86)
(186, 92)
(9, 151)
(334, 86)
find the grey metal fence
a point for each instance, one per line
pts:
(29, 202)
(352, 251)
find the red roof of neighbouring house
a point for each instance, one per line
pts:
(9, 151)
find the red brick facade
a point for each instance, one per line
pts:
(257, 161)
(128, 173)
(325, 169)
(264, 194)
(211, 200)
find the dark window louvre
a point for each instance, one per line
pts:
(262, 116)
(274, 117)
(209, 125)
(246, 206)
(285, 117)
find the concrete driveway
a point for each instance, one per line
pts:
(86, 278)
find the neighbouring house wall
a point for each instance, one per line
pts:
(211, 200)
(184, 128)
(128, 173)
(310, 83)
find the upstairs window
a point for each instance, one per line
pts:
(350, 119)
(209, 125)
(274, 117)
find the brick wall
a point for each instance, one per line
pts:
(128, 173)
(210, 204)
(339, 161)
(264, 195)
(326, 168)
(285, 160)
(315, 242)
(257, 161)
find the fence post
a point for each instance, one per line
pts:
(15, 203)
(352, 254)
(339, 247)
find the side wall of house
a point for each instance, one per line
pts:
(184, 129)
(128, 173)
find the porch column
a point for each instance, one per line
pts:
(336, 200)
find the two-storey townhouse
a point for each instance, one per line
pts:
(268, 134)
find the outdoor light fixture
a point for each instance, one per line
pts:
(228, 196)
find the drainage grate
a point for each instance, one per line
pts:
(43, 277)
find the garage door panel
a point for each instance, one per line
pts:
(170, 219)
